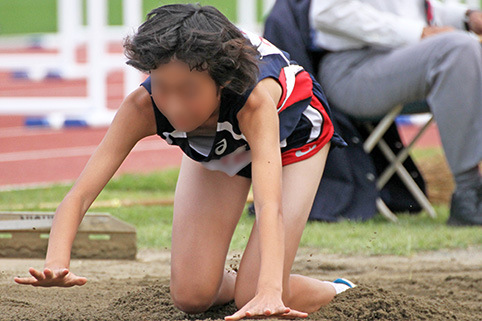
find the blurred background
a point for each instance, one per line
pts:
(63, 75)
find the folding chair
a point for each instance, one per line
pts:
(375, 138)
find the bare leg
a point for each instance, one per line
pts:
(208, 205)
(300, 183)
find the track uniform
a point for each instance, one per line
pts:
(304, 121)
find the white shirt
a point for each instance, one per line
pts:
(353, 24)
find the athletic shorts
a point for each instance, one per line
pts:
(314, 130)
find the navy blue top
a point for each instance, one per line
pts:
(228, 140)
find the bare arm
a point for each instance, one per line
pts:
(260, 125)
(258, 120)
(134, 121)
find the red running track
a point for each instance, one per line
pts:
(43, 156)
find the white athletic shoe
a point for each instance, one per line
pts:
(346, 282)
(341, 285)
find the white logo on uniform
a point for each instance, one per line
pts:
(221, 147)
(299, 153)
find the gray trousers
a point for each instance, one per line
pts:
(445, 70)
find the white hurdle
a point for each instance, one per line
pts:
(97, 73)
(69, 22)
(78, 111)
(132, 18)
(247, 14)
(67, 39)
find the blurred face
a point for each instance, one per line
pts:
(187, 98)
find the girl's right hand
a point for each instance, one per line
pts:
(61, 277)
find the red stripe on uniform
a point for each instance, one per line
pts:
(298, 154)
(302, 90)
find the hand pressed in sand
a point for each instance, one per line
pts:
(266, 306)
(61, 277)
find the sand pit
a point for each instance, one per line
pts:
(444, 285)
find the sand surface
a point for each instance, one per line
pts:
(444, 285)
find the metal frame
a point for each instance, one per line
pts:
(396, 162)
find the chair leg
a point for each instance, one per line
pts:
(385, 211)
(401, 156)
(396, 163)
(381, 129)
(407, 179)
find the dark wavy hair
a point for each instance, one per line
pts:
(200, 36)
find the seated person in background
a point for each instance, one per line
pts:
(385, 53)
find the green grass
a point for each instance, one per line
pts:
(27, 16)
(414, 233)
(34, 16)
(40, 16)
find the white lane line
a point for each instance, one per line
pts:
(25, 131)
(27, 186)
(21, 131)
(75, 152)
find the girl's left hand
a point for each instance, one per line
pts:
(266, 306)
